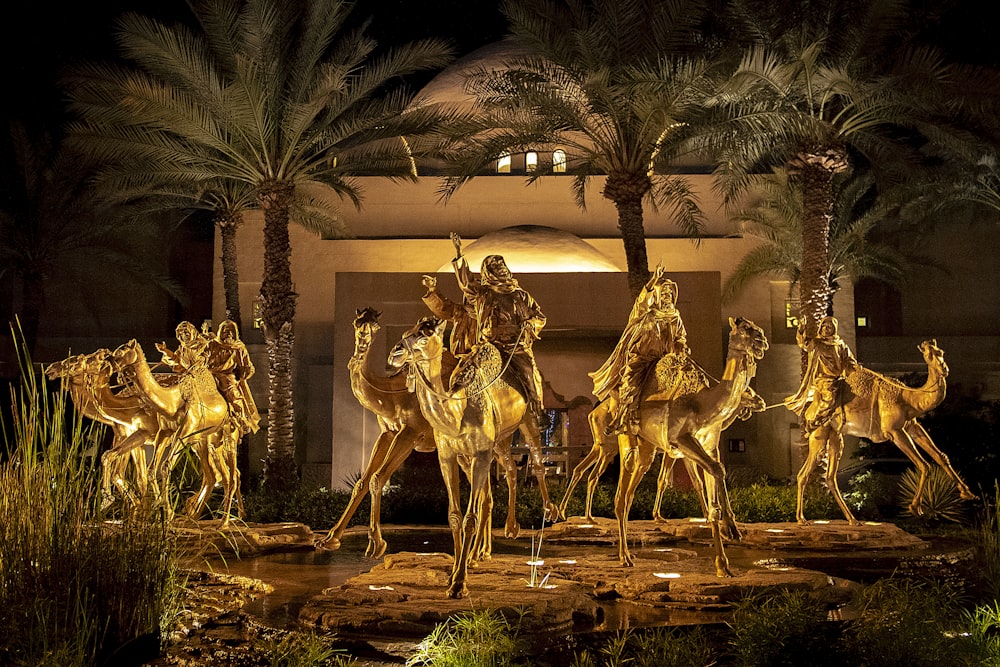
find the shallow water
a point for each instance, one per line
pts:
(298, 576)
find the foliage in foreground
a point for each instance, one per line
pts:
(898, 622)
(476, 639)
(77, 589)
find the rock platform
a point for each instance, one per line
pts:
(405, 595)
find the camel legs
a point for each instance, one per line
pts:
(196, 503)
(913, 435)
(464, 530)
(720, 513)
(597, 461)
(388, 453)
(663, 480)
(636, 457)
(506, 460)
(529, 429)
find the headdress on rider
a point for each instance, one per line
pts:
(494, 273)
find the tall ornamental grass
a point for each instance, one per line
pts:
(74, 590)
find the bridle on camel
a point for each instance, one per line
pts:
(468, 394)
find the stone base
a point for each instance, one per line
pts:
(211, 539)
(815, 536)
(405, 596)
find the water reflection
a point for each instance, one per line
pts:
(298, 576)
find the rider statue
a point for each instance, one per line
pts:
(654, 329)
(191, 353)
(463, 320)
(507, 316)
(229, 361)
(829, 361)
(225, 358)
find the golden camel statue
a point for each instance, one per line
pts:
(87, 379)
(203, 423)
(878, 408)
(676, 424)
(605, 450)
(403, 429)
(469, 424)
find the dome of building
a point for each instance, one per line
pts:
(448, 87)
(536, 249)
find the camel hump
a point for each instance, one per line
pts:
(478, 369)
(867, 383)
(675, 375)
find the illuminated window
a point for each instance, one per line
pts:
(559, 161)
(503, 164)
(791, 320)
(862, 321)
(530, 161)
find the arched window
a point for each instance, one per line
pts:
(530, 161)
(558, 161)
(503, 164)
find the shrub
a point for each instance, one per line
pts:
(940, 500)
(763, 504)
(781, 629)
(872, 494)
(905, 622)
(483, 638)
(74, 590)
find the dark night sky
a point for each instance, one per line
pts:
(50, 35)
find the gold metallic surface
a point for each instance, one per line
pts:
(869, 405)
(688, 426)
(203, 403)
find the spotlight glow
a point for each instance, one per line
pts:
(667, 575)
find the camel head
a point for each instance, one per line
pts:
(750, 402)
(59, 369)
(365, 327)
(745, 336)
(127, 354)
(933, 355)
(366, 319)
(424, 341)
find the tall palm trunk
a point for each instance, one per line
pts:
(627, 191)
(816, 170)
(228, 222)
(280, 472)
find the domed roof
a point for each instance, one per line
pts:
(448, 87)
(536, 249)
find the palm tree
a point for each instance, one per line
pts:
(616, 84)
(278, 95)
(823, 85)
(856, 250)
(54, 229)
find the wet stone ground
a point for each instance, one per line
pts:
(379, 610)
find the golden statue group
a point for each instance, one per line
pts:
(464, 396)
(466, 393)
(202, 404)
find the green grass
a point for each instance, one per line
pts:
(76, 589)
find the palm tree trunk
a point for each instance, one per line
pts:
(627, 191)
(278, 314)
(817, 170)
(228, 222)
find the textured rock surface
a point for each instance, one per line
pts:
(405, 595)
